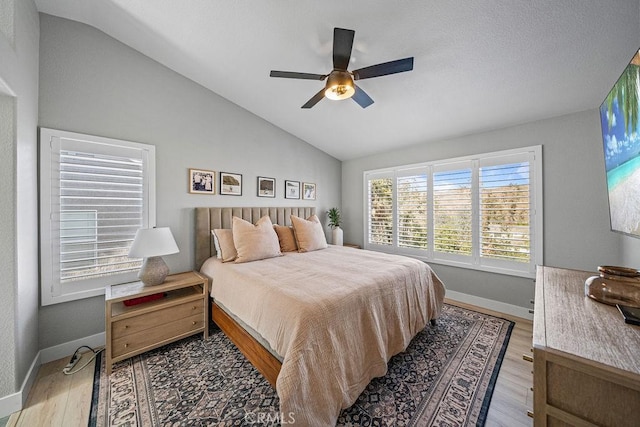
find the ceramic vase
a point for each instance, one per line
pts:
(337, 236)
(615, 285)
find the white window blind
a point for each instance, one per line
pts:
(505, 209)
(452, 209)
(96, 193)
(412, 209)
(482, 212)
(380, 211)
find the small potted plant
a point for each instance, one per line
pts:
(334, 223)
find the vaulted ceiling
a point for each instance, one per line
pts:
(479, 65)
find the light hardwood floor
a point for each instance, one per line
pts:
(64, 400)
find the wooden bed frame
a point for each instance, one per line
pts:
(255, 353)
(207, 219)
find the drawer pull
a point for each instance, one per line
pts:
(527, 358)
(126, 345)
(530, 311)
(530, 414)
(193, 323)
(194, 307)
(126, 326)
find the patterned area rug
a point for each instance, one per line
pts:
(444, 378)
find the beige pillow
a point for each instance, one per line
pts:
(309, 233)
(225, 247)
(286, 238)
(254, 242)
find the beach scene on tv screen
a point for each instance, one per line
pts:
(619, 115)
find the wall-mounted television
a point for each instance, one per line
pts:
(620, 121)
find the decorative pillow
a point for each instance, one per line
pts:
(254, 242)
(217, 245)
(223, 240)
(309, 233)
(286, 238)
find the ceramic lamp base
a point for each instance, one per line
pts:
(153, 272)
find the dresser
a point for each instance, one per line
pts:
(586, 359)
(133, 329)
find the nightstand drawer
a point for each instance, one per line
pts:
(132, 325)
(160, 333)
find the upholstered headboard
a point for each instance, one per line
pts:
(209, 218)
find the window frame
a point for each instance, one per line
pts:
(52, 290)
(533, 154)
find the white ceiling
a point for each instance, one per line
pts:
(479, 65)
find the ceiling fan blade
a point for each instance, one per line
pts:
(342, 44)
(315, 99)
(362, 98)
(294, 75)
(386, 68)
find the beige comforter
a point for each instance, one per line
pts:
(336, 316)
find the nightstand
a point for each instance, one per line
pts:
(134, 329)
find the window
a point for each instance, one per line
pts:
(412, 209)
(380, 210)
(505, 210)
(95, 193)
(482, 212)
(452, 210)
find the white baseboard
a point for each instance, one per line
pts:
(10, 404)
(502, 307)
(66, 349)
(16, 401)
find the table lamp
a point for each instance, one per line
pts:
(151, 244)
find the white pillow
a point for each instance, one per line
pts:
(217, 245)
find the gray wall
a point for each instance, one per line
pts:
(91, 83)
(8, 232)
(576, 222)
(19, 36)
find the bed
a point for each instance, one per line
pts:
(318, 325)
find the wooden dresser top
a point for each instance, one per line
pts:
(566, 320)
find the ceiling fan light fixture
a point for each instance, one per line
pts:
(339, 86)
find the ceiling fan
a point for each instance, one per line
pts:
(340, 83)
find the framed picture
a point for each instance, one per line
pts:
(202, 181)
(308, 191)
(266, 187)
(291, 189)
(231, 184)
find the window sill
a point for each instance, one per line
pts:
(450, 263)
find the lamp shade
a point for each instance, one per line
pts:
(150, 242)
(339, 85)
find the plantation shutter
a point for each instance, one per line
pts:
(411, 188)
(482, 212)
(505, 209)
(452, 209)
(98, 197)
(380, 210)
